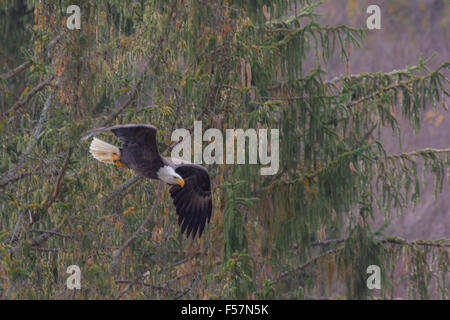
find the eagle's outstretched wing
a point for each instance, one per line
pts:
(139, 150)
(193, 201)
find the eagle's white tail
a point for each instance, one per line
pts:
(104, 152)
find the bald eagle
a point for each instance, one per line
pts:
(190, 184)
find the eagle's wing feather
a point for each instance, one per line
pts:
(139, 150)
(193, 201)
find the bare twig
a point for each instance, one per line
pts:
(20, 175)
(56, 233)
(15, 71)
(55, 193)
(15, 178)
(125, 290)
(46, 249)
(308, 263)
(15, 233)
(43, 237)
(327, 242)
(117, 253)
(424, 243)
(130, 283)
(124, 186)
(49, 201)
(119, 109)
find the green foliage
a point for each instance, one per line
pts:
(237, 277)
(235, 240)
(230, 64)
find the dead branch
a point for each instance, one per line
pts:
(50, 201)
(15, 71)
(43, 237)
(21, 175)
(117, 253)
(23, 66)
(56, 233)
(308, 263)
(15, 233)
(119, 109)
(124, 186)
(21, 102)
(125, 290)
(8, 176)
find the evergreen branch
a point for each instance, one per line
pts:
(393, 86)
(390, 239)
(352, 153)
(356, 77)
(316, 27)
(16, 177)
(376, 75)
(442, 243)
(417, 153)
(307, 10)
(312, 175)
(393, 240)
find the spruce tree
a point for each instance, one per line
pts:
(304, 232)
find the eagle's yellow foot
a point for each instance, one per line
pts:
(117, 162)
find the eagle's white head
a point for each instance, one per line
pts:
(168, 175)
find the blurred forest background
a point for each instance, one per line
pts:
(364, 148)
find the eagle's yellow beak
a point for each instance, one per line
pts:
(180, 182)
